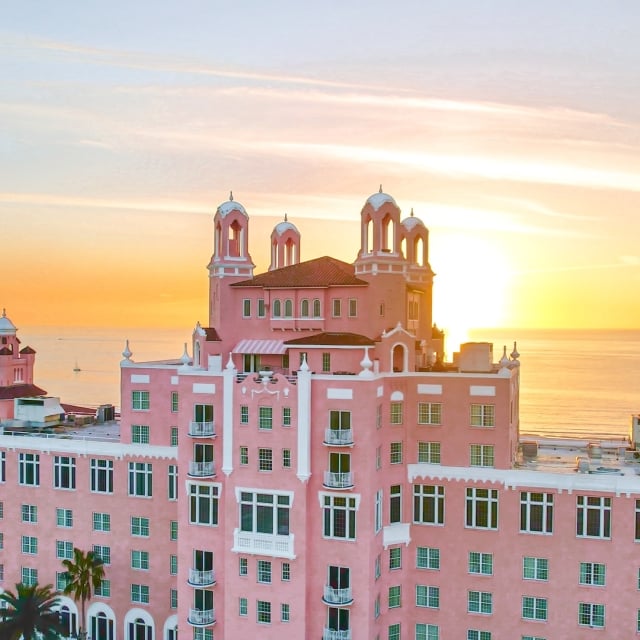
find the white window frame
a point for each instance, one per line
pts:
(535, 568)
(482, 415)
(592, 574)
(587, 506)
(429, 452)
(534, 608)
(481, 455)
(481, 508)
(480, 602)
(430, 503)
(428, 558)
(536, 512)
(430, 413)
(480, 563)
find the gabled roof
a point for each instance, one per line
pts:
(5, 351)
(332, 339)
(211, 335)
(27, 350)
(21, 391)
(319, 272)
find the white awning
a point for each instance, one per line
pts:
(263, 347)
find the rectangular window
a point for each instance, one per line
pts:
(377, 567)
(592, 573)
(1, 540)
(103, 589)
(174, 437)
(140, 593)
(378, 416)
(64, 517)
(483, 415)
(243, 565)
(474, 634)
(29, 469)
(428, 504)
(395, 413)
(246, 308)
(377, 520)
(427, 596)
(265, 460)
(29, 513)
(141, 479)
(173, 599)
(395, 503)
(480, 602)
(430, 413)
(263, 612)
(173, 530)
(101, 475)
(140, 400)
(244, 414)
(428, 558)
(265, 513)
(593, 517)
(261, 308)
(378, 458)
(64, 549)
(285, 573)
(353, 307)
(242, 606)
(336, 307)
(265, 418)
(536, 512)
(286, 458)
(534, 608)
(140, 434)
(244, 456)
(339, 517)
(175, 402)
(172, 482)
(427, 631)
(482, 508)
(173, 565)
(481, 563)
(395, 453)
(535, 568)
(64, 472)
(264, 571)
(1, 509)
(395, 597)
(140, 560)
(326, 362)
(203, 504)
(393, 631)
(285, 612)
(30, 545)
(481, 455)
(139, 526)
(591, 615)
(102, 552)
(286, 416)
(29, 576)
(395, 558)
(3, 466)
(429, 452)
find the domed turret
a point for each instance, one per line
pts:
(7, 328)
(414, 241)
(285, 245)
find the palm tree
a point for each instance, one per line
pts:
(30, 613)
(84, 575)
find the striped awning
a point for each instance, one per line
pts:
(263, 347)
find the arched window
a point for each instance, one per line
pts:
(316, 308)
(277, 309)
(68, 620)
(388, 233)
(418, 252)
(288, 308)
(138, 630)
(101, 626)
(304, 308)
(235, 239)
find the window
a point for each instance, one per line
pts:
(29, 513)
(285, 573)
(429, 452)
(139, 559)
(173, 565)
(244, 414)
(172, 482)
(173, 603)
(261, 308)
(263, 612)
(140, 593)
(428, 504)
(242, 606)
(395, 453)
(175, 402)
(288, 308)
(591, 615)
(480, 563)
(265, 460)
(140, 479)
(264, 513)
(30, 545)
(102, 552)
(377, 567)
(101, 475)
(1, 509)
(103, 590)
(29, 576)
(395, 597)
(276, 309)
(474, 634)
(173, 441)
(483, 415)
(64, 472)
(29, 469)
(304, 308)
(534, 608)
(377, 520)
(482, 508)
(481, 455)
(1, 540)
(395, 558)
(203, 504)
(353, 307)
(393, 631)
(427, 631)
(430, 413)
(592, 573)
(535, 568)
(139, 526)
(264, 571)
(3, 466)
(339, 514)
(286, 416)
(480, 602)
(244, 456)
(326, 362)
(593, 517)
(265, 418)
(140, 400)
(286, 458)
(316, 308)
(378, 416)
(378, 458)
(427, 596)
(285, 612)
(243, 565)
(395, 503)
(246, 308)
(336, 307)
(428, 558)
(173, 530)
(395, 411)
(64, 549)
(140, 434)
(64, 517)
(536, 512)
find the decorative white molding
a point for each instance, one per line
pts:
(138, 378)
(430, 389)
(481, 390)
(339, 394)
(201, 387)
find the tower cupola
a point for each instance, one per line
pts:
(285, 245)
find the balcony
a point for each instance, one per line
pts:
(202, 469)
(201, 617)
(333, 480)
(202, 429)
(264, 544)
(198, 578)
(335, 596)
(338, 437)
(336, 634)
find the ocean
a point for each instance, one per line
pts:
(574, 383)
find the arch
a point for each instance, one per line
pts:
(289, 252)
(368, 235)
(138, 625)
(399, 357)
(276, 308)
(170, 630)
(397, 396)
(101, 621)
(274, 255)
(196, 354)
(68, 612)
(403, 247)
(304, 308)
(217, 242)
(317, 311)
(288, 308)
(419, 257)
(235, 239)
(388, 234)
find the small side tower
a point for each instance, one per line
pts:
(285, 245)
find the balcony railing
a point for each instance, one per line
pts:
(335, 634)
(202, 617)
(202, 429)
(200, 578)
(337, 596)
(338, 437)
(334, 480)
(202, 469)
(263, 544)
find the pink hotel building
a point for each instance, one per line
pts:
(317, 470)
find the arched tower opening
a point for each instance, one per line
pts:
(399, 358)
(285, 245)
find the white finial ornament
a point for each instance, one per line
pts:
(185, 356)
(515, 355)
(127, 353)
(230, 196)
(304, 366)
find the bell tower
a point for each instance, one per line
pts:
(285, 245)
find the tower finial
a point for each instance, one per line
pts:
(380, 190)
(4, 312)
(230, 196)
(412, 212)
(285, 217)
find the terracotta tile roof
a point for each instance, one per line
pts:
(320, 272)
(211, 334)
(332, 339)
(21, 391)
(27, 350)
(5, 351)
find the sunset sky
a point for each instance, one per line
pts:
(511, 128)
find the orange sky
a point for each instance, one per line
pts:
(519, 152)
